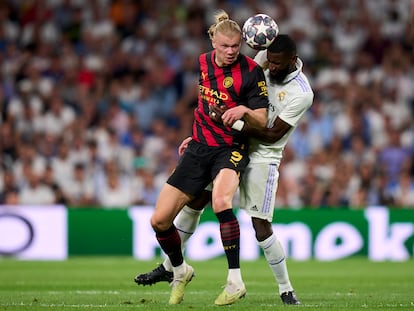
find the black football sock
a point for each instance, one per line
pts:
(170, 243)
(230, 237)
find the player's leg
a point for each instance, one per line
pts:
(182, 186)
(170, 201)
(257, 198)
(225, 186)
(276, 259)
(188, 219)
(186, 223)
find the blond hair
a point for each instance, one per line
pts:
(223, 25)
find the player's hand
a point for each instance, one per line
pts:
(216, 111)
(233, 114)
(183, 146)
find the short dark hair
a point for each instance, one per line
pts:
(283, 44)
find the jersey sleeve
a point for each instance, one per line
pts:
(296, 108)
(261, 59)
(257, 95)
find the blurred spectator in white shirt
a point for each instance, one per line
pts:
(58, 116)
(403, 191)
(111, 149)
(116, 191)
(79, 189)
(35, 192)
(62, 164)
(29, 159)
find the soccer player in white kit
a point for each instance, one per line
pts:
(290, 96)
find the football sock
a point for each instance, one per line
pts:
(275, 256)
(170, 243)
(230, 237)
(180, 270)
(234, 276)
(186, 223)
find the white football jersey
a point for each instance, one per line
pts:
(288, 101)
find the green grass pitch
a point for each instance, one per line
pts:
(106, 283)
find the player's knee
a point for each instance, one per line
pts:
(158, 224)
(263, 229)
(221, 203)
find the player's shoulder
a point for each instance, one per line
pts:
(205, 55)
(300, 84)
(250, 62)
(301, 95)
(261, 59)
(248, 59)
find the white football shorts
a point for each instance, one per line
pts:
(258, 190)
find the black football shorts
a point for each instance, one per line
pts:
(200, 164)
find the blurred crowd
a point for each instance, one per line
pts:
(96, 96)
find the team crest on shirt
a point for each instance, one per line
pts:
(281, 96)
(227, 82)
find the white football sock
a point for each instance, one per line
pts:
(275, 256)
(180, 270)
(234, 277)
(186, 222)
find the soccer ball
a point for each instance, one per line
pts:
(259, 31)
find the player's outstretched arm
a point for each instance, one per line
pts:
(256, 118)
(269, 135)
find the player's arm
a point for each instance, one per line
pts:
(268, 135)
(256, 118)
(288, 118)
(256, 99)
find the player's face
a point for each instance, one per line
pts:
(227, 48)
(280, 65)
